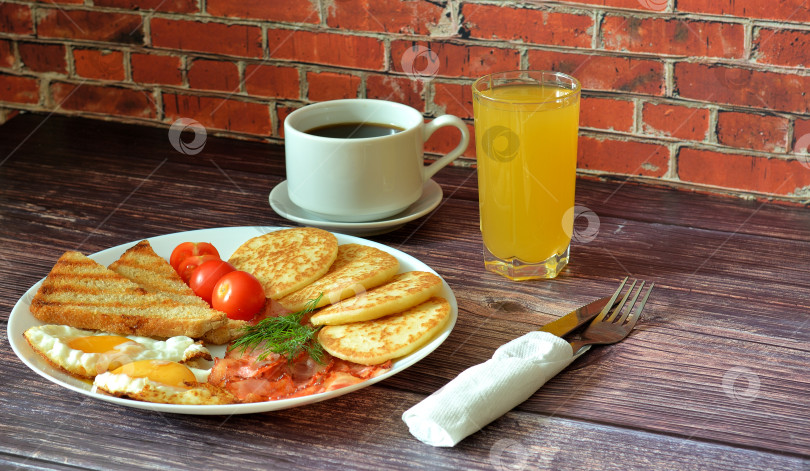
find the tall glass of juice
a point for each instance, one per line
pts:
(526, 125)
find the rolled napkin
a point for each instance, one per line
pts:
(482, 393)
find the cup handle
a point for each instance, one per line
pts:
(430, 128)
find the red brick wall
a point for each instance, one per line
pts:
(713, 94)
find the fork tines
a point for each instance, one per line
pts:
(620, 314)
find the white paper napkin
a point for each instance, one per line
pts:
(484, 392)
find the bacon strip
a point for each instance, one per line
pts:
(277, 378)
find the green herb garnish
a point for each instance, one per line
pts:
(283, 335)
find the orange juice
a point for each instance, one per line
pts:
(526, 142)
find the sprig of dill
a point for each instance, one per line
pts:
(283, 335)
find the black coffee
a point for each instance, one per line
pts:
(354, 130)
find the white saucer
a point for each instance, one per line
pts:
(281, 204)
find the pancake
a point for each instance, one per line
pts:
(287, 260)
(356, 269)
(402, 292)
(379, 340)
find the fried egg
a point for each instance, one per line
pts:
(162, 381)
(85, 353)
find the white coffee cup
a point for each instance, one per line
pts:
(361, 179)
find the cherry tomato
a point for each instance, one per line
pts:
(187, 266)
(239, 295)
(205, 276)
(188, 249)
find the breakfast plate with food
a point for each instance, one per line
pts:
(231, 320)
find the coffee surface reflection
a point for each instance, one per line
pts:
(354, 130)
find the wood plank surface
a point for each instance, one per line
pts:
(715, 377)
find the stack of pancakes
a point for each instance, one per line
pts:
(370, 312)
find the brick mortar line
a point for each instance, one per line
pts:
(323, 10)
(161, 88)
(158, 97)
(711, 133)
(541, 5)
(638, 120)
(70, 62)
(127, 58)
(748, 41)
(711, 189)
(544, 6)
(309, 67)
(669, 14)
(597, 38)
(101, 116)
(303, 89)
(240, 74)
(672, 170)
(669, 78)
(690, 102)
(746, 64)
(362, 89)
(185, 64)
(597, 133)
(429, 93)
(275, 122)
(523, 58)
(387, 60)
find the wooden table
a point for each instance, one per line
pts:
(715, 376)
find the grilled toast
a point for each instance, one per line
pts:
(357, 268)
(153, 273)
(82, 293)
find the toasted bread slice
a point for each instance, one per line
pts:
(379, 340)
(231, 330)
(402, 292)
(356, 269)
(287, 260)
(153, 273)
(81, 293)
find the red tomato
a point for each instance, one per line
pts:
(187, 266)
(205, 276)
(239, 295)
(189, 249)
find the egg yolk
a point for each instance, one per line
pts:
(166, 372)
(97, 343)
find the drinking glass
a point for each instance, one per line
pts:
(526, 125)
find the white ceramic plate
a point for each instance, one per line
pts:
(284, 207)
(226, 240)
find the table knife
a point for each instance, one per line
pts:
(575, 318)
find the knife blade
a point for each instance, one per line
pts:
(575, 318)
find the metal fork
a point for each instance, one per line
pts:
(606, 329)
